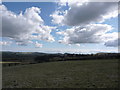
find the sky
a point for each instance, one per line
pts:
(59, 27)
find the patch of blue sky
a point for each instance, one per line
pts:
(113, 22)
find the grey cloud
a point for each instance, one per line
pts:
(90, 12)
(93, 33)
(113, 43)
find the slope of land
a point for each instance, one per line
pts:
(63, 74)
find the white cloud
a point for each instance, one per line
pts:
(92, 33)
(82, 13)
(78, 45)
(57, 17)
(71, 2)
(4, 43)
(38, 45)
(26, 26)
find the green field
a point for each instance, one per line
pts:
(64, 74)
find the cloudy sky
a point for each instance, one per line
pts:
(59, 27)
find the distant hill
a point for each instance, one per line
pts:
(38, 57)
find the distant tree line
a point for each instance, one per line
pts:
(32, 58)
(73, 57)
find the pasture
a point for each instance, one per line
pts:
(63, 74)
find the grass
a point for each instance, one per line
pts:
(64, 74)
(9, 62)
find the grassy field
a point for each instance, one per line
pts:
(64, 74)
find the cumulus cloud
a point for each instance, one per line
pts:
(38, 45)
(71, 2)
(113, 43)
(85, 19)
(4, 43)
(57, 17)
(81, 13)
(25, 26)
(77, 44)
(92, 33)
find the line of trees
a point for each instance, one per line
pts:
(32, 58)
(69, 57)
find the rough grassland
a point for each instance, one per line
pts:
(64, 74)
